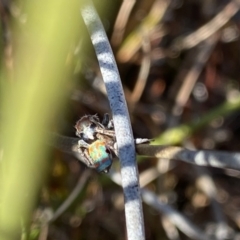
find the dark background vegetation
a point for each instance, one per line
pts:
(98, 211)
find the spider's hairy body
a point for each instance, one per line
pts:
(98, 142)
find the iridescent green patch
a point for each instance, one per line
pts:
(100, 155)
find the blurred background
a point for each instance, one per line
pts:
(179, 64)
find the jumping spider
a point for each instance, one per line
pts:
(97, 143)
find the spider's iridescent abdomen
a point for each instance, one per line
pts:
(100, 155)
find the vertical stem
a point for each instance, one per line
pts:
(124, 136)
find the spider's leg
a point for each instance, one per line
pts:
(89, 159)
(115, 149)
(82, 144)
(84, 153)
(110, 133)
(110, 125)
(94, 119)
(142, 140)
(83, 158)
(105, 120)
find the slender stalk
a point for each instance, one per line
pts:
(178, 134)
(185, 225)
(201, 157)
(175, 217)
(29, 100)
(70, 199)
(211, 27)
(124, 137)
(219, 159)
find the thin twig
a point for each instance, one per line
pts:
(201, 55)
(173, 215)
(78, 188)
(144, 69)
(201, 158)
(208, 29)
(133, 42)
(219, 159)
(178, 134)
(121, 21)
(43, 232)
(124, 136)
(170, 228)
(152, 173)
(205, 182)
(148, 176)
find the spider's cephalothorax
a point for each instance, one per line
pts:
(89, 126)
(97, 143)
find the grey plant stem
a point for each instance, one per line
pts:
(124, 136)
(78, 188)
(218, 159)
(176, 218)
